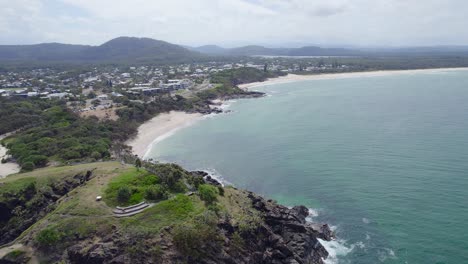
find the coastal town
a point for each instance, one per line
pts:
(99, 90)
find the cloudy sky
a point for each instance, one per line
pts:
(238, 22)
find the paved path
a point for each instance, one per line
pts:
(131, 210)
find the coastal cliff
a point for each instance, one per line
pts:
(236, 227)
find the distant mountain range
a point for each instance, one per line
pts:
(146, 50)
(122, 49)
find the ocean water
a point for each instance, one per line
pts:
(384, 160)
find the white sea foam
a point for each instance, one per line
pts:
(225, 105)
(336, 249)
(385, 254)
(217, 176)
(360, 245)
(313, 213)
(365, 220)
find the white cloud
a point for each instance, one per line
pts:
(236, 22)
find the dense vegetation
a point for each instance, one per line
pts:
(235, 77)
(16, 114)
(51, 132)
(139, 112)
(61, 135)
(137, 185)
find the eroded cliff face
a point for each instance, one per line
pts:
(21, 209)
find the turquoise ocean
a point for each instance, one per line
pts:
(384, 160)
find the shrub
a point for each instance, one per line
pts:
(208, 193)
(191, 239)
(37, 160)
(179, 187)
(28, 166)
(195, 180)
(123, 194)
(96, 155)
(71, 154)
(221, 190)
(214, 208)
(48, 237)
(156, 192)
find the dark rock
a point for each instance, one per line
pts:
(210, 180)
(30, 204)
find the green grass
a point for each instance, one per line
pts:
(179, 209)
(64, 171)
(137, 180)
(15, 187)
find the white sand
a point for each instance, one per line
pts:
(159, 128)
(6, 168)
(327, 76)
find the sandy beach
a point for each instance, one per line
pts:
(327, 76)
(166, 124)
(6, 168)
(159, 128)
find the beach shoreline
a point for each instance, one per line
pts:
(166, 124)
(159, 128)
(328, 76)
(9, 167)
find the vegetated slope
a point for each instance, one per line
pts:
(214, 225)
(210, 49)
(122, 49)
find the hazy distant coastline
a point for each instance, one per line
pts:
(327, 76)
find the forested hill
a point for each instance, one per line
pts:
(122, 49)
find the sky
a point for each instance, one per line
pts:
(232, 23)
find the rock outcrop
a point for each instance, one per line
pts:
(291, 238)
(282, 236)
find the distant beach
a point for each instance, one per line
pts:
(158, 128)
(327, 76)
(164, 125)
(6, 168)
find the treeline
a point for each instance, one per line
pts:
(139, 112)
(21, 113)
(57, 134)
(235, 77)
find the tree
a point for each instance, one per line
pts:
(138, 164)
(265, 68)
(156, 192)
(123, 194)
